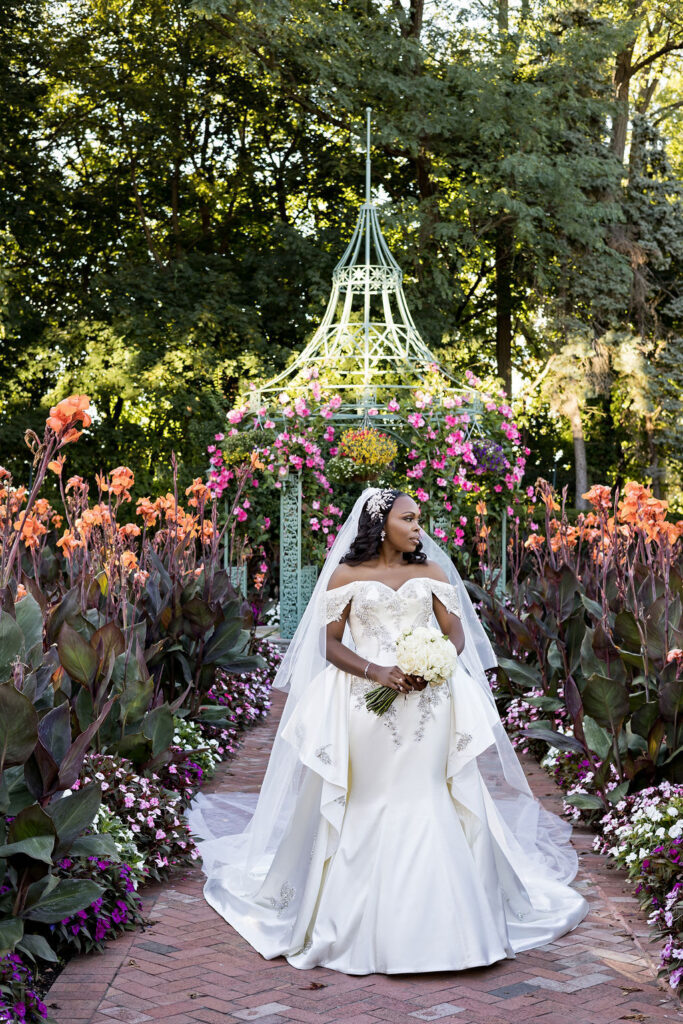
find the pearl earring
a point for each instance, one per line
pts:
(382, 535)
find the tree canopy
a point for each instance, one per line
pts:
(178, 179)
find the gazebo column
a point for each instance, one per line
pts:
(290, 554)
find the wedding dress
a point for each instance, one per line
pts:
(409, 842)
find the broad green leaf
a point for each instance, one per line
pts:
(108, 639)
(12, 644)
(585, 801)
(36, 947)
(35, 847)
(74, 813)
(77, 656)
(537, 731)
(158, 727)
(605, 700)
(70, 896)
(30, 620)
(101, 844)
(618, 793)
(11, 931)
(18, 726)
(54, 732)
(527, 676)
(597, 738)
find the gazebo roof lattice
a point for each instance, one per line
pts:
(367, 335)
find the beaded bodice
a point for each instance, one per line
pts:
(379, 614)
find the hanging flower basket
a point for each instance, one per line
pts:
(364, 455)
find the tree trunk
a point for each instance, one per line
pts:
(622, 85)
(572, 411)
(504, 242)
(656, 471)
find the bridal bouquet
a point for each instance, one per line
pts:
(421, 652)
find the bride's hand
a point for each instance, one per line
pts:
(393, 677)
(417, 682)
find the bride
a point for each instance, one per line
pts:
(394, 844)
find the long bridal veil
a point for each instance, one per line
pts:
(242, 833)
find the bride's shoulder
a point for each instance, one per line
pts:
(341, 576)
(434, 571)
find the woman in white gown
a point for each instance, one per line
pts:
(403, 843)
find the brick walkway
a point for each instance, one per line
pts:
(189, 966)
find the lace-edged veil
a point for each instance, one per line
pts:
(246, 842)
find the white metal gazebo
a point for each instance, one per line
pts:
(367, 330)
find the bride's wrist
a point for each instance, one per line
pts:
(368, 670)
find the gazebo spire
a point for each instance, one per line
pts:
(367, 327)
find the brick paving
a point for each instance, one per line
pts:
(189, 966)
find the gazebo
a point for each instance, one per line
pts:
(368, 337)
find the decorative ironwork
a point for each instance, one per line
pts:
(290, 554)
(367, 328)
(308, 574)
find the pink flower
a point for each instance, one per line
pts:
(269, 424)
(266, 522)
(463, 520)
(421, 494)
(393, 405)
(160, 834)
(218, 437)
(236, 415)
(372, 412)
(416, 420)
(300, 406)
(241, 516)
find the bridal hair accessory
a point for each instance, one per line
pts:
(378, 503)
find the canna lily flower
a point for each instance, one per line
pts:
(57, 464)
(66, 414)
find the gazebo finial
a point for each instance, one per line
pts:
(368, 160)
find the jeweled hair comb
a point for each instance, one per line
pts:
(378, 503)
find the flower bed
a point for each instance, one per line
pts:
(126, 674)
(641, 833)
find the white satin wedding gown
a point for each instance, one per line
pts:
(411, 867)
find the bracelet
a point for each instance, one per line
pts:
(365, 673)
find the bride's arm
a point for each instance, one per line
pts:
(348, 661)
(450, 624)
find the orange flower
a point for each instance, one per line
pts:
(481, 508)
(199, 491)
(31, 531)
(207, 531)
(57, 522)
(599, 496)
(129, 561)
(122, 478)
(21, 592)
(42, 508)
(66, 414)
(130, 530)
(256, 462)
(69, 543)
(533, 541)
(75, 482)
(148, 511)
(57, 464)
